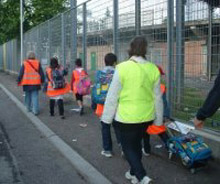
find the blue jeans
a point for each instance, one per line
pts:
(106, 135)
(131, 139)
(31, 101)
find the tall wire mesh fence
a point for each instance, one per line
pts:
(108, 26)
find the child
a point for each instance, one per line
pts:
(77, 74)
(57, 86)
(159, 130)
(110, 62)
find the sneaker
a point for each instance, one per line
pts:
(133, 178)
(146, 180)
(145, 153)
(107, 154)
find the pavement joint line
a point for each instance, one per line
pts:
(91, 174)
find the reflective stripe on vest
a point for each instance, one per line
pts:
(31, 77)
(51, 92)
(136, 99)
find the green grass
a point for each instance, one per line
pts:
(192, 100)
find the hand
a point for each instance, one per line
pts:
(198, 123)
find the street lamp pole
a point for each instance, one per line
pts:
(21, 28)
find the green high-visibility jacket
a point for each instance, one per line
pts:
(136, 99)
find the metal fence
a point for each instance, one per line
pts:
(183, 37)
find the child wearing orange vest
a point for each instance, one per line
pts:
(159, 130)
(56, 94)
(76, 75)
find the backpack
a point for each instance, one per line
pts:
(191, 149)
(84, 84)
(101, 87)
(58, 79)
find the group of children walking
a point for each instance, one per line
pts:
(128, 97)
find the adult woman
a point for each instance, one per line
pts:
(134, 98)
(31, 76)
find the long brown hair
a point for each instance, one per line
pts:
(138, 47)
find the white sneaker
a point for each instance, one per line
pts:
(107, 154)
(146, 180)
(133, 178)
(144, 153)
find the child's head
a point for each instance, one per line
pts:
(53, 62)
(138, 47)
(110, 59)
(78, 62)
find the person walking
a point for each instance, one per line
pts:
(57, 86)
(102, 83)
(134, 100)
(31, 76)
(78, 74)
(158, 130)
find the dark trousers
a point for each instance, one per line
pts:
(131, 141)
(147, 147)
(60, 106)
(106, 135)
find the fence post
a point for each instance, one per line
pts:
(170, 35)
(21, 29)
(49, 40)
(73, 49)
(63, 32)
(138, 17)
(84, 36)
(180, 14)
(209, 66)
(115, 22)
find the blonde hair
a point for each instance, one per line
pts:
(31, 55)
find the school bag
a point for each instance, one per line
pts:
(58, 80)
(84, 84)
(101, 87)
(192, 150)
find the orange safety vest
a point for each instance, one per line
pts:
(99, 110)
(153, 129)
(51, 92)
(77, 79)
(31, 75)
(162, 88)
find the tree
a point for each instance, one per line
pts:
(35, 12)
(9, 19)
(105, 21)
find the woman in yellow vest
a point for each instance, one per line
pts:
(57, 86)
(134, 101)
(31, 76)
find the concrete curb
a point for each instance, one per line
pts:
(16, 170)
(91, 174)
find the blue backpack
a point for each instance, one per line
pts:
(100, 89)
(190, 148)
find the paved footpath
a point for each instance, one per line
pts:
(87, 142)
